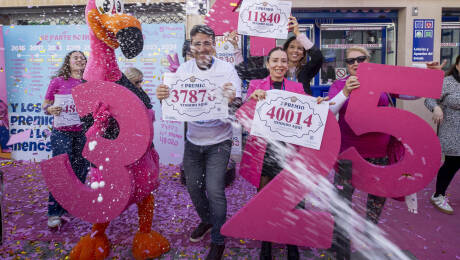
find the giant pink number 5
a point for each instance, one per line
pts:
(276, 202)
(111, 156)
(223, 18)
(422, 155)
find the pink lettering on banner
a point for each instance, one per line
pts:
(276, 202)
(110, 156)
(223, 18)
(422, 156)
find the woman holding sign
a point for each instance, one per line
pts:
(297, 47)
(446, 113)
(277, 65)
(67, 135)
(371, 146)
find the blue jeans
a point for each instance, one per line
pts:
(4, 137)
(71, 143)
(205, 168)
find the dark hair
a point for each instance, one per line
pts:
(304, 58)
(64, 70)
(202, 28)
(273, 50)
(186, 49)
(453, 69)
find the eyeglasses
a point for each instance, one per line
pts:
(138, 82)
(205, 44)
(359, 59)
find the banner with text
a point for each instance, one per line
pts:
(34, 53)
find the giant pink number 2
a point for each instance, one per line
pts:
(276, 202)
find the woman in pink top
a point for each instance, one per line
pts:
(277, 65)
(371, 146)
(68, 139)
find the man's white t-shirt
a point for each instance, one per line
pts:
(211, 132)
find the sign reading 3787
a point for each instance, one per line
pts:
(194, 98)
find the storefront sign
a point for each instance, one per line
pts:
(291, 118)
(194, 98)
(423, 41)
(350, 28)
(450, 44)
(346, 46)
(264, 18)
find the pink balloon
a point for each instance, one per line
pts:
(123, 185)
(223, 18)
(276, 202)
(422, 157)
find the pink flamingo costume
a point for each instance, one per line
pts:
(110, 29)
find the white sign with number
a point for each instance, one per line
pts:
(264, 18)
(69, 115)
(194, 99)
(291, 118)
(225, 50)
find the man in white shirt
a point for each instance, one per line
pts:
(208, 143)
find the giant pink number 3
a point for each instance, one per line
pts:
(422, 155)
(110, 156)
(272, 215)
(223, 18)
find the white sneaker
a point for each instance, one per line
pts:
(440, 202)
(54, 221)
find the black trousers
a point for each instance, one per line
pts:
(446, 173)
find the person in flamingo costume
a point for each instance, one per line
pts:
(109, 29)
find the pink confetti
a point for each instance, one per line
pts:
(19, 138)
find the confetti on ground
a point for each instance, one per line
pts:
(428, 235)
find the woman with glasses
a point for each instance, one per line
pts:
(371, 146)
(446, 113)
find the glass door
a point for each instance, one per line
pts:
(450, 42)
(378, 38)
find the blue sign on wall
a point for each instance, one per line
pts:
(423, 43)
